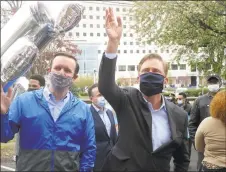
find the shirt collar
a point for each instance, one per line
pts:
(97, 109)
(163, 105)
(49, 96)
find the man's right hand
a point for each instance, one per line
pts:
(6, 99)
(114, 31)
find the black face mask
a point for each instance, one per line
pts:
(151, 83)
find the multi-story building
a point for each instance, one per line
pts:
(91, 32)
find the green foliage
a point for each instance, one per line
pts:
(84, 81)
(196, 27)
(75, 90)
(83, 94)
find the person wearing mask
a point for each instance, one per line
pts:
(36, 82)
(152, 129)
(185, 105)
(56, 128)
(200, 110)
(104, 123)
(210, 137)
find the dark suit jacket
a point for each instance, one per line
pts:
(133, 150)
(104, 143)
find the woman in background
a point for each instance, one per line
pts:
(210, 137)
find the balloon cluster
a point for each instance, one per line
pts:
(28, 32)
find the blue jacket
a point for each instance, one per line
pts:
(65, 145)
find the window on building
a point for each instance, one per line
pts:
(131, 43)
(167, 51)
(174, 67)
(131, 35)
(98, 34)
(131, 67)
(124, 18)
(105, 34)
(99, 51)
(144, 51)
(117, 9)
(130, 18)
(182, 66)
(91, 34)
(118, 51)
(90, 17)
(104, 8)
(84, 34)
(104, 17)
(162, 51)
(125, 51)
(84, 25)
(90, 8)
(131, 51)
(98, 8)
(98, 26)
(124, 26)
(149, 51)
(97, 17)
(122, 68)
(77, 33)
(138, 51)
(156, 51)
(91, 25)
(137, 43)
(124, 34)
(124, 9)
(77, 25)
(125, 43)
(69, 33)
(84, 16)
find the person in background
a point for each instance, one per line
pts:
(185, 105)
(210, 137)
(200, 110)
(56, 128)
(104, 123)
(152, 129)
(173, 98)
(36, 82)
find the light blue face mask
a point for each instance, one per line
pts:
(101, 101)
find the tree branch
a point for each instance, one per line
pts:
(215, 12)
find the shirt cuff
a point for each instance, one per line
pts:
(111, 55)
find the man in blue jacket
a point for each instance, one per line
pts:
(56, 128)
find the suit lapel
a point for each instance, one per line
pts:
(172, 119)
(98, 119)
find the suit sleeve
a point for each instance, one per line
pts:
(107, 86)
(88, 146)
(194, 119)
(10, 122)
(181, 155)
(199, 138)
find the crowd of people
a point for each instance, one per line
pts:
(59, 132)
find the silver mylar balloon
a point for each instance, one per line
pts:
(69, 17)
(25, 19)
(17, 59)
(20, 86)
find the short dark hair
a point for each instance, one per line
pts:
(40, 79)
(69, 55)
(183, 94)
(153, 56)
(91, 89)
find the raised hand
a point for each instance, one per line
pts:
(5, 100)
(113, 28)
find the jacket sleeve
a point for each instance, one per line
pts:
(88, 146)
(107, 86)
(199, 138)
(10, 122)
(181, 155)
(194, 119)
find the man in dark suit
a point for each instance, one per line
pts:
(105, 130)
(152, 129)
